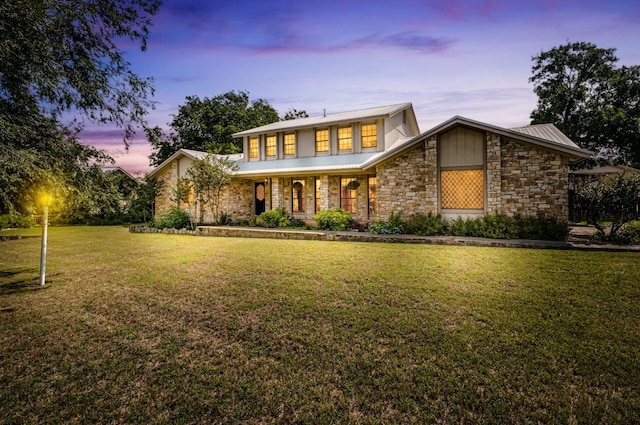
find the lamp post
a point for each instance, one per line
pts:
(45, 200)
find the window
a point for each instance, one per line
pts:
(462, 169)
(462, 189)
(344, 139)
(271, 145)
(322, 140)
(369, 135)
(253, 147)
(318, 198)
(348, 188)
(290, 144)
(373, 189)
(297, 195)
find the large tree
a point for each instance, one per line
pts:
(208, 124)
(595, 103)
(61, 58)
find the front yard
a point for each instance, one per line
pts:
(153, 328)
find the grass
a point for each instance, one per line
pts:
(153, 328)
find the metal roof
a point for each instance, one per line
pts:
(305, 164)
(546, 132)
(329, 119)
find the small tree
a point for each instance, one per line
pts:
(613, 198)
(210, 175)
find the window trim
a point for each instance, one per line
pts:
(323, 141)
(293, 145)
(254, 152)
(362, 135)
(275, 146)
(301, 200)
(355, 195)
(350, 148)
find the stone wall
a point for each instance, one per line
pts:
(169, 177)
(409, 182)
(534, 181)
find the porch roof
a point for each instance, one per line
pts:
(327, 163)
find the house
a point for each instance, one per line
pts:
(373, 162)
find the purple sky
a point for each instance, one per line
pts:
(454, 57)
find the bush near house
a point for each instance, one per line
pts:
(175, 218)
(335, 219)
(498, 226)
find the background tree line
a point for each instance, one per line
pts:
(61, 59)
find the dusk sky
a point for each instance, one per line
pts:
(468, 58)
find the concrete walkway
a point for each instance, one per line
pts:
(576, 240)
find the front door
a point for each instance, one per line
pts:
(260, 198)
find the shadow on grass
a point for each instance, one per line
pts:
(25, 284)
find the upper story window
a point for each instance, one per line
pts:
(253, 147)
(369, 135)
(290, 144)
(344, 139)
(322, 140)
(271, 146)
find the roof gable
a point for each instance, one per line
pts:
(191, 154)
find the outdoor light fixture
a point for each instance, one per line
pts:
(45, 200)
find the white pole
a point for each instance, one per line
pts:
(43, 249)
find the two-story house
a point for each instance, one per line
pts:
(373, 162)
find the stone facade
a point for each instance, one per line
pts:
(534, 181)
(408, 183)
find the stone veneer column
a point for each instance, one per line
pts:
(325, 203)
(431, 175)
(277, 194)
(494, 174)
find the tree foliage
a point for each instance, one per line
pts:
(208, 125)
(595, 103)
(63, 55)
(613, 198)
(60, 58)
(293, 114)
(209, 176)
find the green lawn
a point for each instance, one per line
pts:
(152, 328)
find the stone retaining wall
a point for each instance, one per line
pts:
(144, 229)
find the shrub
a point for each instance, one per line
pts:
(175, 218)
(393, 226)
(499, 226)
(275, 218)
(541, 228)
(426, 224)
(466, 227)
(612, 198)
(629, 233)
(15, 220)
(336, 219)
